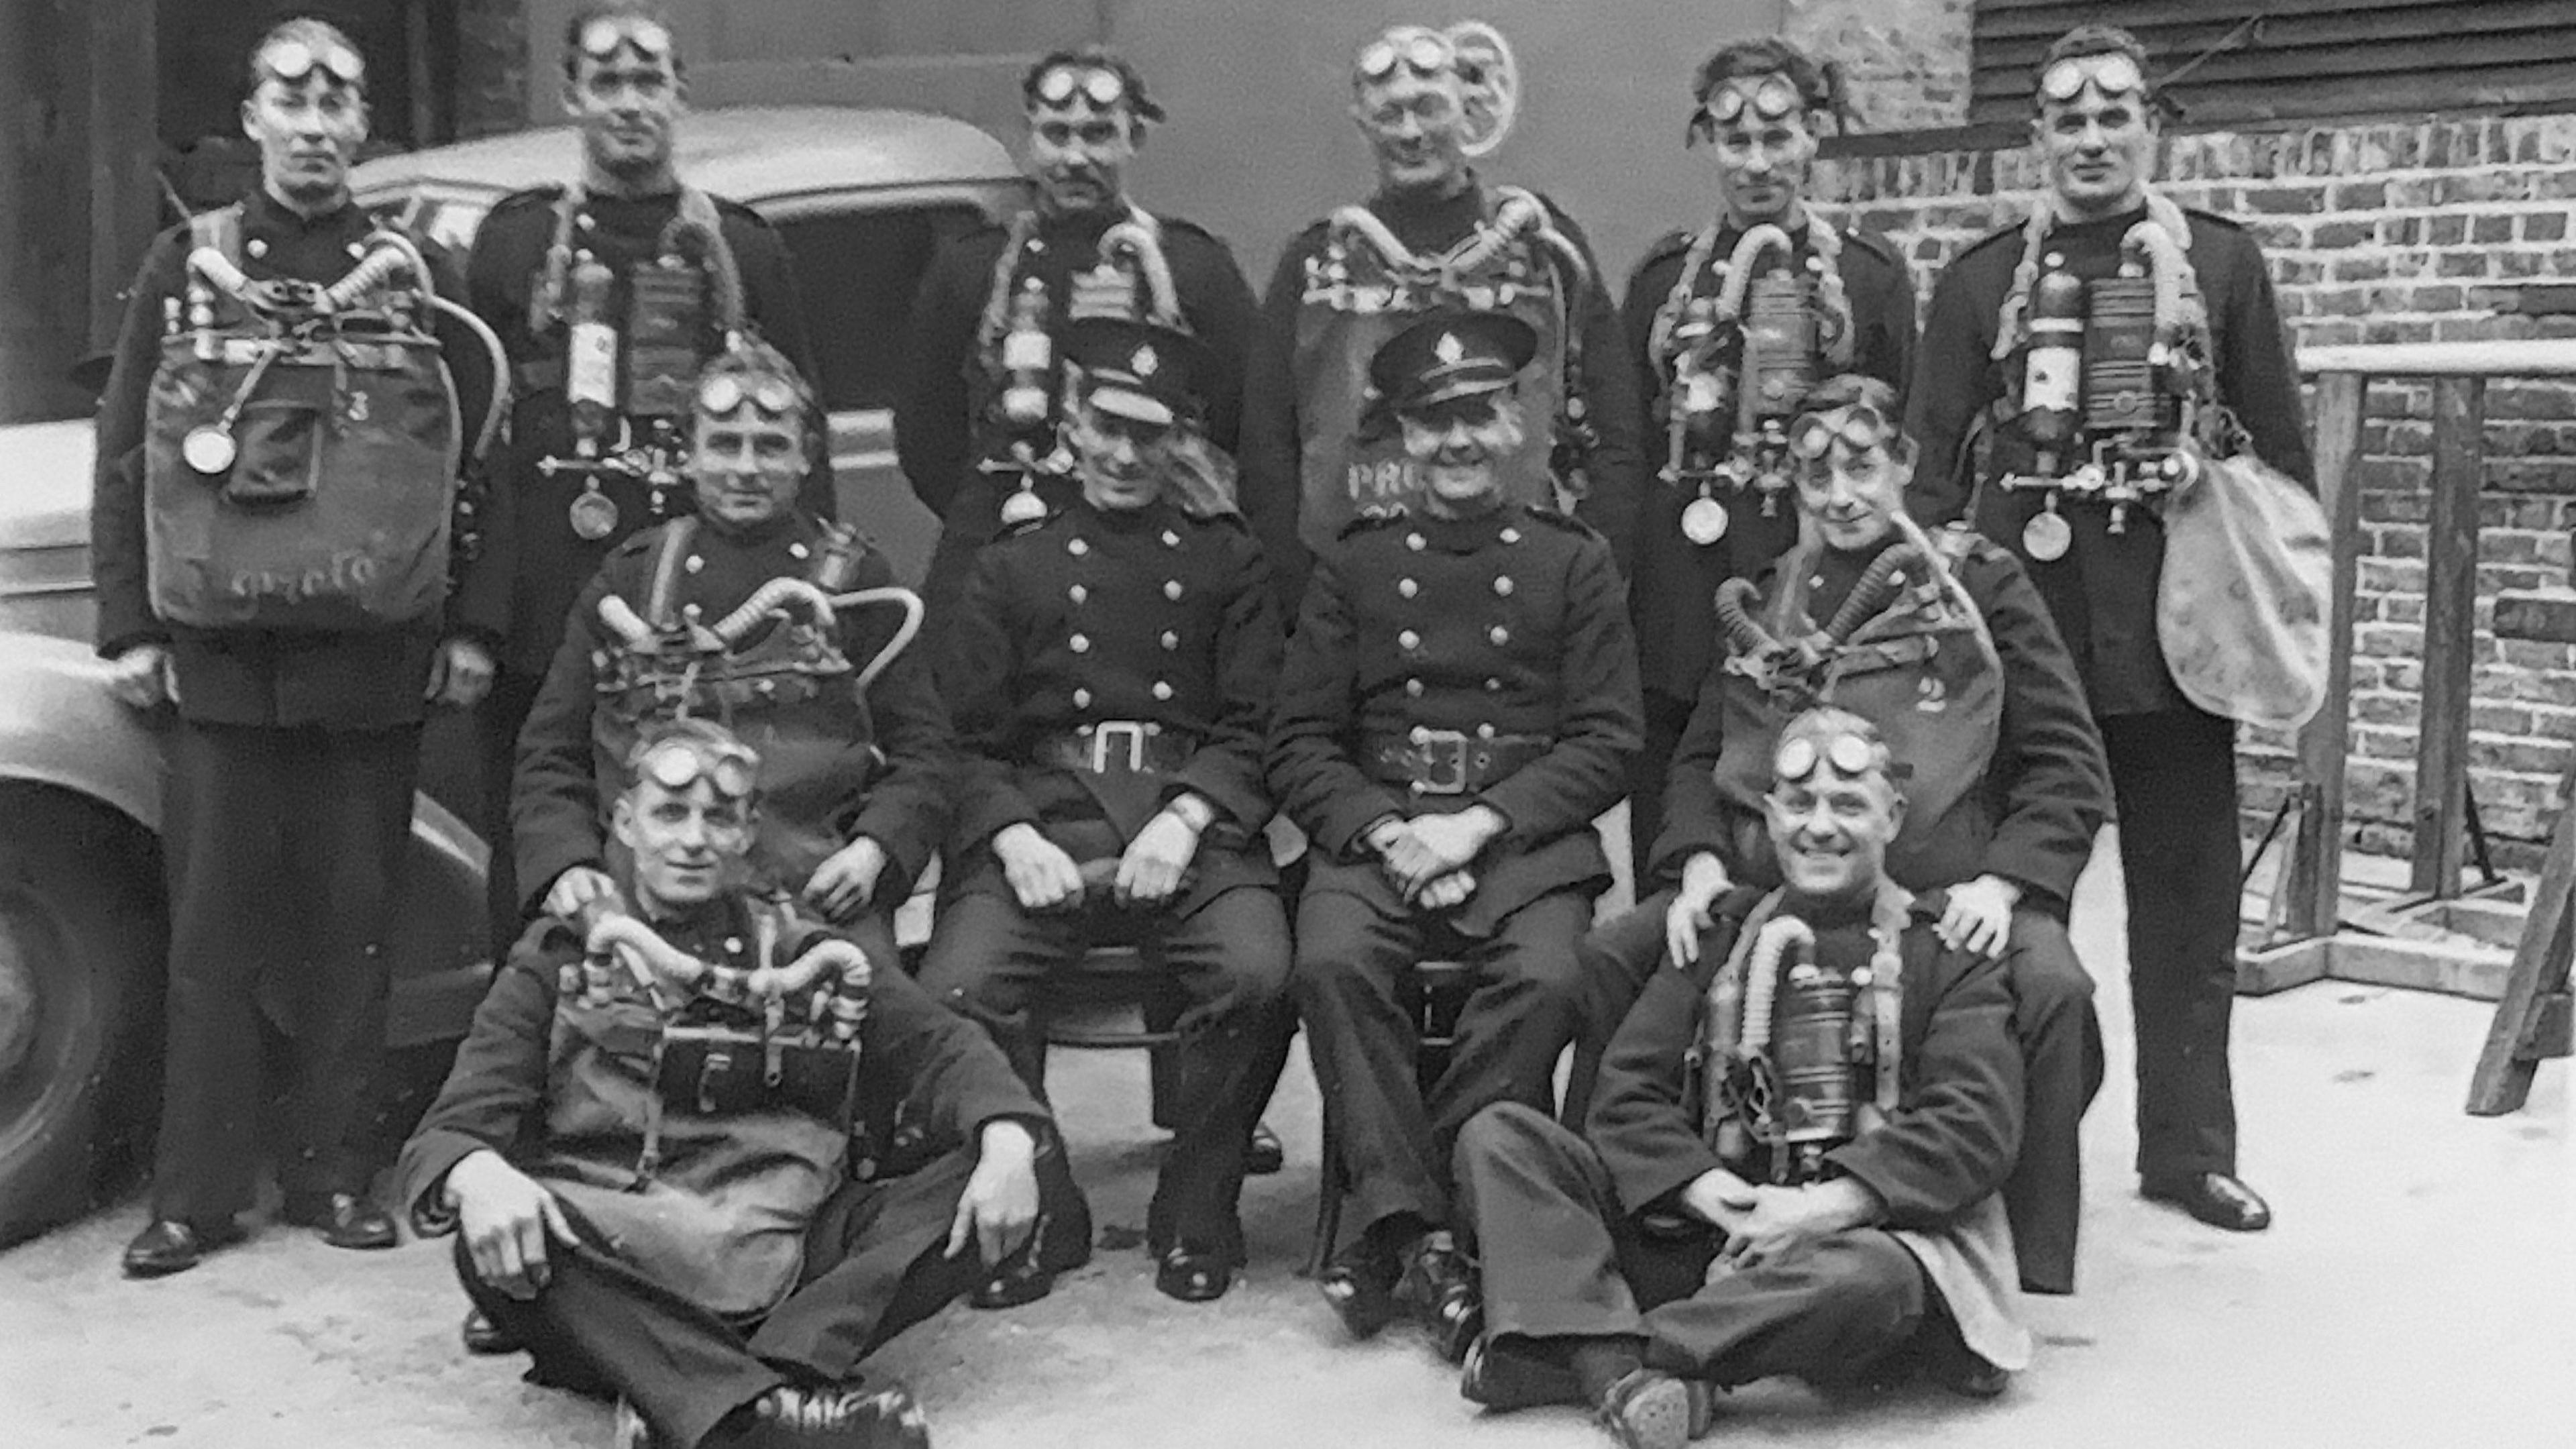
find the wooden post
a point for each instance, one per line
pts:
(2450, 635)
(2531, 1019)
(2316, 852)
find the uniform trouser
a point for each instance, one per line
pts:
(283, 852)
(496, 732)
(2053, 1020)
(1558, 1258)
(1230, 959)
(874, 1266)
(1395, 1138)
(1666, 718)
(2173, 782)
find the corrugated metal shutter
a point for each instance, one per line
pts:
(2310, 58)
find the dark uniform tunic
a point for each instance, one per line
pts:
(1508, 628)
(507, 265)
(1144, 620)
(1675, 581)
(1586, 1235)
(944, 424)
(288, 809)
(2032, 822)
(835, 769)
(1273, 453)
(873, 1255)
(2173, 766)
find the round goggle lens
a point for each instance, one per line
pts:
(601, 38)
(1772, 100)
(1426, 53)
(292, 60)
(678, 766)
(1860, 427)
(721, 394)
(1798, 758)
(2113, 75)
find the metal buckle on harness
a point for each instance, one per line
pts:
(1439, 761)
(1134, 732)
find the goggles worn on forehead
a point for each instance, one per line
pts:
(678, 764)
(647, 38)
(1798, 757)
(1857, 426)
(1104, 88)
(1773, 100)
(292, 60)
(1426, 53)
(726, 391)
(2113, 74)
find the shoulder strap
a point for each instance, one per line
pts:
(676, 538)
(219, 229)
(698, 212)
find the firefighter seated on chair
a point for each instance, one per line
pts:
(663, 1143)
(1792, 1165)
(778, 624)
(1109, 669)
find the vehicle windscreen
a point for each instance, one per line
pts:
(856, 272)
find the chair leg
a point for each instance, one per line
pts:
(1330, 1186)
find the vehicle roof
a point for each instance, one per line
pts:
(751, 154)
(45, 483)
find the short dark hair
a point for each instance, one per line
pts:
(588, 11)
(1093, 56)
(1819, 83)
(312, 30)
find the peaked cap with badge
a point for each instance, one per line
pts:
(1140, 371)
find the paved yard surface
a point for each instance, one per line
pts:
(2417, 1290)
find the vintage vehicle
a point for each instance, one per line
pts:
(861, 198)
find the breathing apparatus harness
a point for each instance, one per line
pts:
(1726, 417)
(1014, 353)
(628, 388)
(1795, 1058)
(2116, 391)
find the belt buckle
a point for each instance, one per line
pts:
(1132, 731)
(1439, 762)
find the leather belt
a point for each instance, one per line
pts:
(1453, 762)
(1120, 747)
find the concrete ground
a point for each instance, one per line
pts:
(2417, 1290)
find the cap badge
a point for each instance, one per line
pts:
(1146, 362)
(1449, 349)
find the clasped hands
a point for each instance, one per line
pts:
(1426, 858)
(1044, 878)
(1766, 1226)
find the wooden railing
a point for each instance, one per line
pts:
(2459, 372)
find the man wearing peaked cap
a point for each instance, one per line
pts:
(1460, 701)
(1109, 670)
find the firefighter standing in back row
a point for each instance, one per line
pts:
(978, 422)
(1811, 300)
(2013, 444)
(1435, 237)
(271, 532)
(609, 294)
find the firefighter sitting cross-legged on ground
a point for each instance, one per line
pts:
(276, 556)
(1109, 669)
(1944, 644)
(1460, 701)
(1792, 1163)
(663, 1147)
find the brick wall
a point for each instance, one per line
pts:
(2416, 230)
(1906, 61)
(491, 66)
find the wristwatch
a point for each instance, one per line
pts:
(1192, 810)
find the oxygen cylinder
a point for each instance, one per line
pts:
(1028, 357)
(2053, 364)
(1817, 1107)
(2121, 394)
(1780, 343)
(590, 351)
